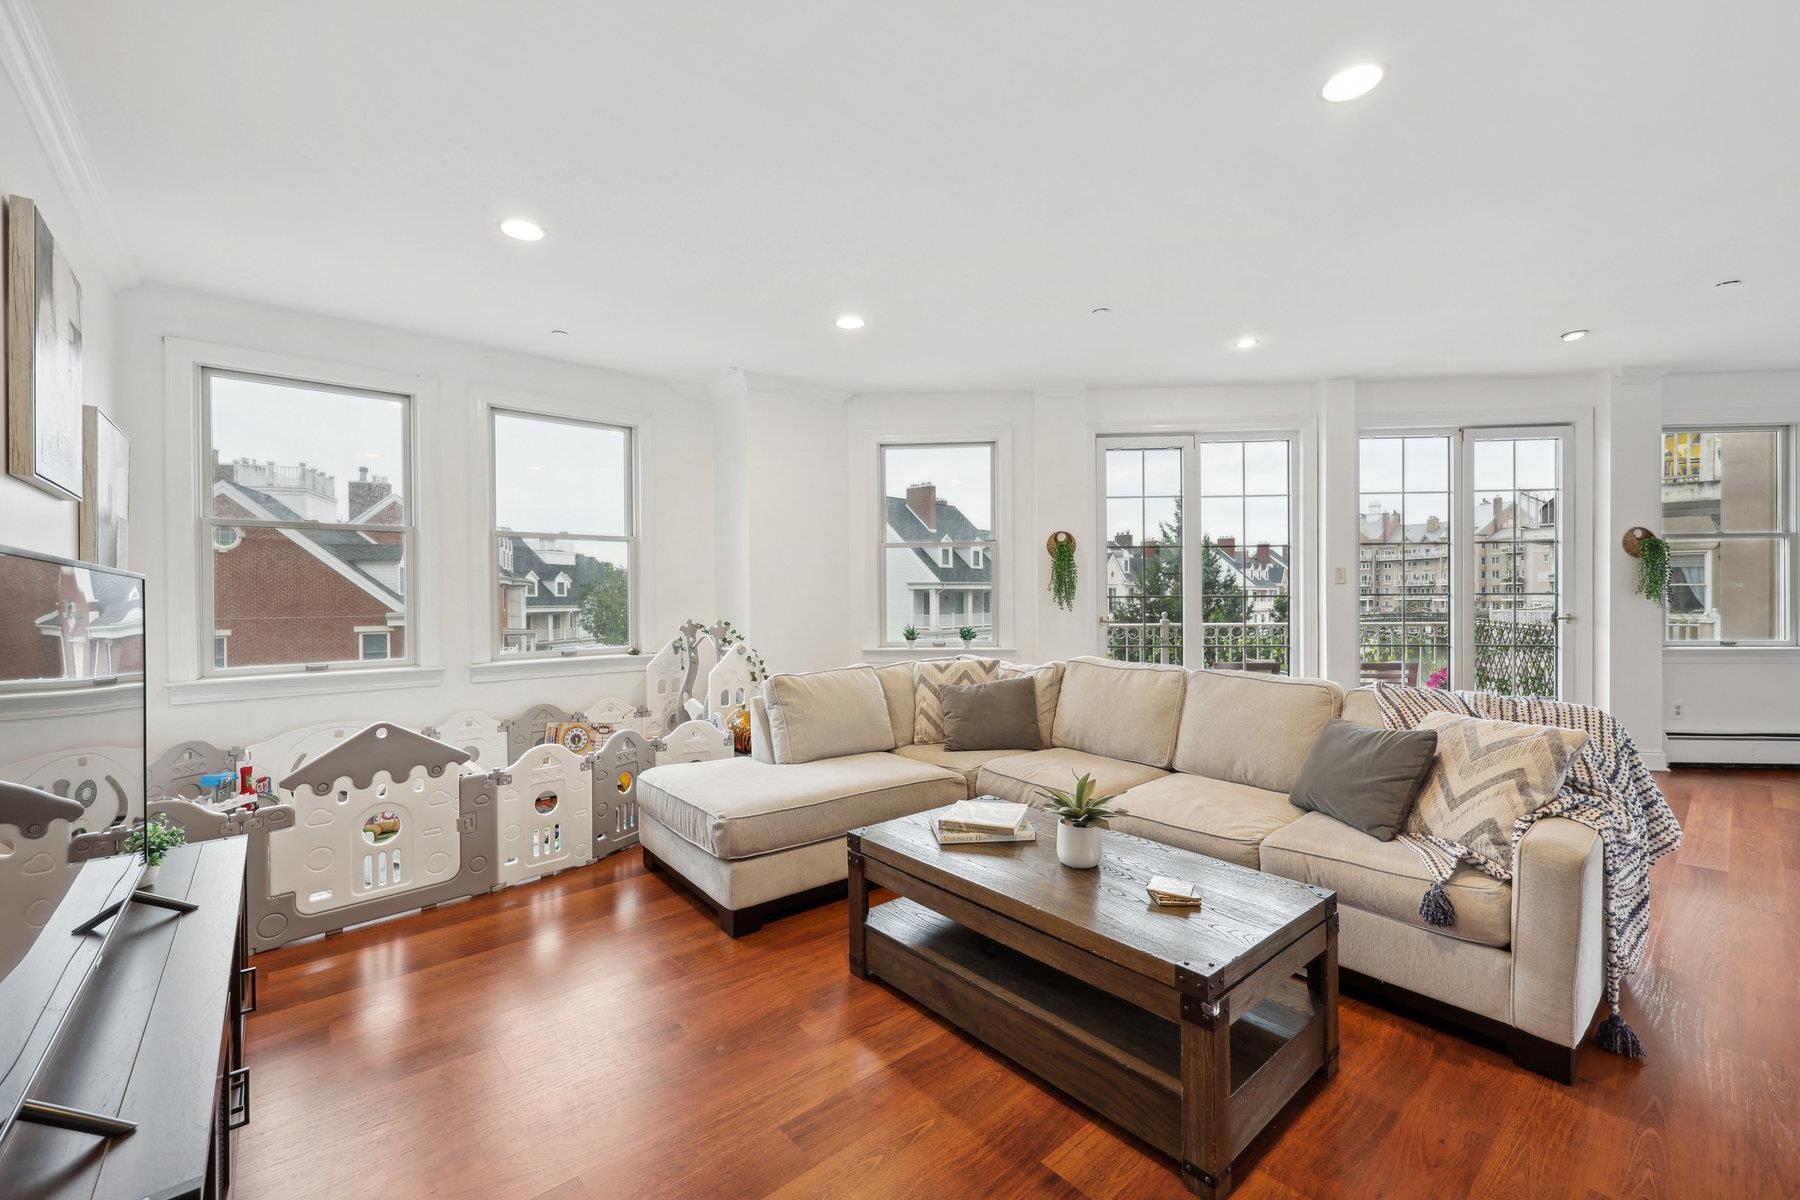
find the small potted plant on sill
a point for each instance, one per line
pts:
(967, 634)
(1082, 815)
(156, 837)
(911, 634)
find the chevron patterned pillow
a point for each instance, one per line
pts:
(928, 677)
(1488, 775)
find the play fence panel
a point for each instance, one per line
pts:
(617, 765)
(177, 770)
(546, 813)
(476, 734)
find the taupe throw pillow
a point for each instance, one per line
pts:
(1488, 775)
(930, 676)
(991, 716)
(1366, 778)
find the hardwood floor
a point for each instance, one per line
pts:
(596, 1036)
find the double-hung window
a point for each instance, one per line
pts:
(937, 543)
(565, 535)
(306, 524)
(1728, 517)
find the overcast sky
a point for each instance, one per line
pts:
(552, 476)
(963, 476)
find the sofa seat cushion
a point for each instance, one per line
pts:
(1023, 777)
(1213, 817)
(1386, 878)
(967, 763)
(738, 807)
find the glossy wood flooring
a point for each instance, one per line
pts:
(594, 1036)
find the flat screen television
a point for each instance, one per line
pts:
(72, 761)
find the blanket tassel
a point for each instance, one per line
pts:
(1616, 1037)
(1436, 908)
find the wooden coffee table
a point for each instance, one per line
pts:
(1186, 1027)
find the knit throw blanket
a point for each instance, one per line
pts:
(1608, 789)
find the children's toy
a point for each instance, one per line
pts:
(577, 737)
(177, 770)
(531, 728)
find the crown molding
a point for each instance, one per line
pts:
(25, 57)
(794, 389)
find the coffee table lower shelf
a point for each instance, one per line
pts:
(1118, 1059)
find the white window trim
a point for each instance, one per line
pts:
(221, 641)
(387, 635)
(635, 449)
(997, 445)
(187, 623)
(1788, 533)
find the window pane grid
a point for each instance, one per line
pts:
(307, 523)
(937, 549)
(1404, 558)
(1728, 520)
(558, 590)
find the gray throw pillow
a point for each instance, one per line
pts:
(1366, 778)
(991, 716)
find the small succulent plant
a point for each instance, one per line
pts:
(910, 633)
(966, 633)
(1081, 807)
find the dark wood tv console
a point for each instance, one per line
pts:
(155, 1038)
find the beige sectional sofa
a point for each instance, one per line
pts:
(1202, 760)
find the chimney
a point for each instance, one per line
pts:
(1262, 553)
(1123, 539)
(1390, 525)
(1227, 546)
(1499, 513)
(921, 498)
(1433, 524)
(367, 490)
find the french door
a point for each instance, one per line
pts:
(1464, 538)
(1198, 546)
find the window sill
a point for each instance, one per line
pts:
(1717, 656)
(940, 651)
(559, 665)
(218, 689)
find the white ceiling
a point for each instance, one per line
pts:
(720, 181)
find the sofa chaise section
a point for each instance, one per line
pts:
(757, 839)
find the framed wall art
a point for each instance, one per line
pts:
(43, 356)
(105, 489)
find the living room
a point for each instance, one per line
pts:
(582, 584)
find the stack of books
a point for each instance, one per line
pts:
(1173, 893)
(983, 819)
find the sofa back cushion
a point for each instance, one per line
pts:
(934, 673)
(1253, 729)
(1120, 710)
(897, 686)
(827, 714)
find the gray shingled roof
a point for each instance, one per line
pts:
(952, 526)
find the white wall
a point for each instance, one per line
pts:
(453, 380)
(1733, 690)
(30, 518)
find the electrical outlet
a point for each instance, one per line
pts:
(1676, 712)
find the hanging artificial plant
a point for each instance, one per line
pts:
(1063, 573)
(1653, 564)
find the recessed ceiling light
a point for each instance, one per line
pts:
(525, 231)
(850, 321)
(1101, 312)
(562, 332)
(1574, 335)
(1352, 82)
(1247, 342)
(1727, 282)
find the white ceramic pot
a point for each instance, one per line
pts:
(149, 875)
(1078, 846)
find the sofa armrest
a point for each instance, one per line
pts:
(762, 747)
(1559, 935)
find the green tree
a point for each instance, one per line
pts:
(605, 607)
